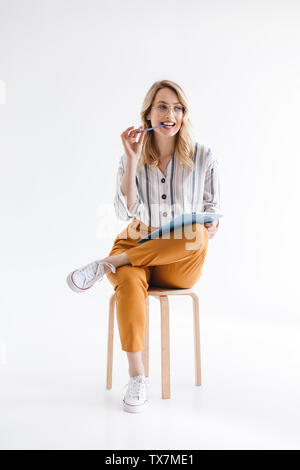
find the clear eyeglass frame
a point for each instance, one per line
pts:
(163, 108)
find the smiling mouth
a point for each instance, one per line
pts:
(168, 124)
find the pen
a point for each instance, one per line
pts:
(150, 128)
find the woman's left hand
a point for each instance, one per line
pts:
(212, 227)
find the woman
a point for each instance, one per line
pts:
(160, 176)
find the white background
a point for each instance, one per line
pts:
(75, 74)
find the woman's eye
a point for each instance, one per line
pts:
(162, 107)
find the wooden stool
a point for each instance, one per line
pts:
(162, 295)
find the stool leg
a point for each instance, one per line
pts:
(145, 353)
(110, 342)
(165, 346)
(196, 338)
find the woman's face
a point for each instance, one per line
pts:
(166, 108)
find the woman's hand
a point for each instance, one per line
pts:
(212, 227)
(132, 148)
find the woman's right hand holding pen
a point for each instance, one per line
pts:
(132, 147)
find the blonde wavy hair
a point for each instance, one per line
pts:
(185, 143)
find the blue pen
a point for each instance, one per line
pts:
(150, 128)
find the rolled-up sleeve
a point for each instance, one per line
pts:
(211, 195)
(120, 205)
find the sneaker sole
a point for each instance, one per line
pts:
(73, 286)
(134, 408)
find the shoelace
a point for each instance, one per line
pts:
(95, 269)
(135, 386)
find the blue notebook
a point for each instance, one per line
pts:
(180, 221)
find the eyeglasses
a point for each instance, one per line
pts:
(163, 109)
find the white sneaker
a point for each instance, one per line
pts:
(84, 278)
(135, 400)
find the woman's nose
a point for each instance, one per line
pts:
(169, 114)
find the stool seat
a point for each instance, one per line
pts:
(160, 291)
(162, 295)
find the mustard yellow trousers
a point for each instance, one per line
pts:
(174, 260)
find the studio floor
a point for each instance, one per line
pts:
(248, 399)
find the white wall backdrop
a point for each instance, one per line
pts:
(73, 78)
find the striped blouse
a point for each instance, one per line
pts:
(161, 197)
